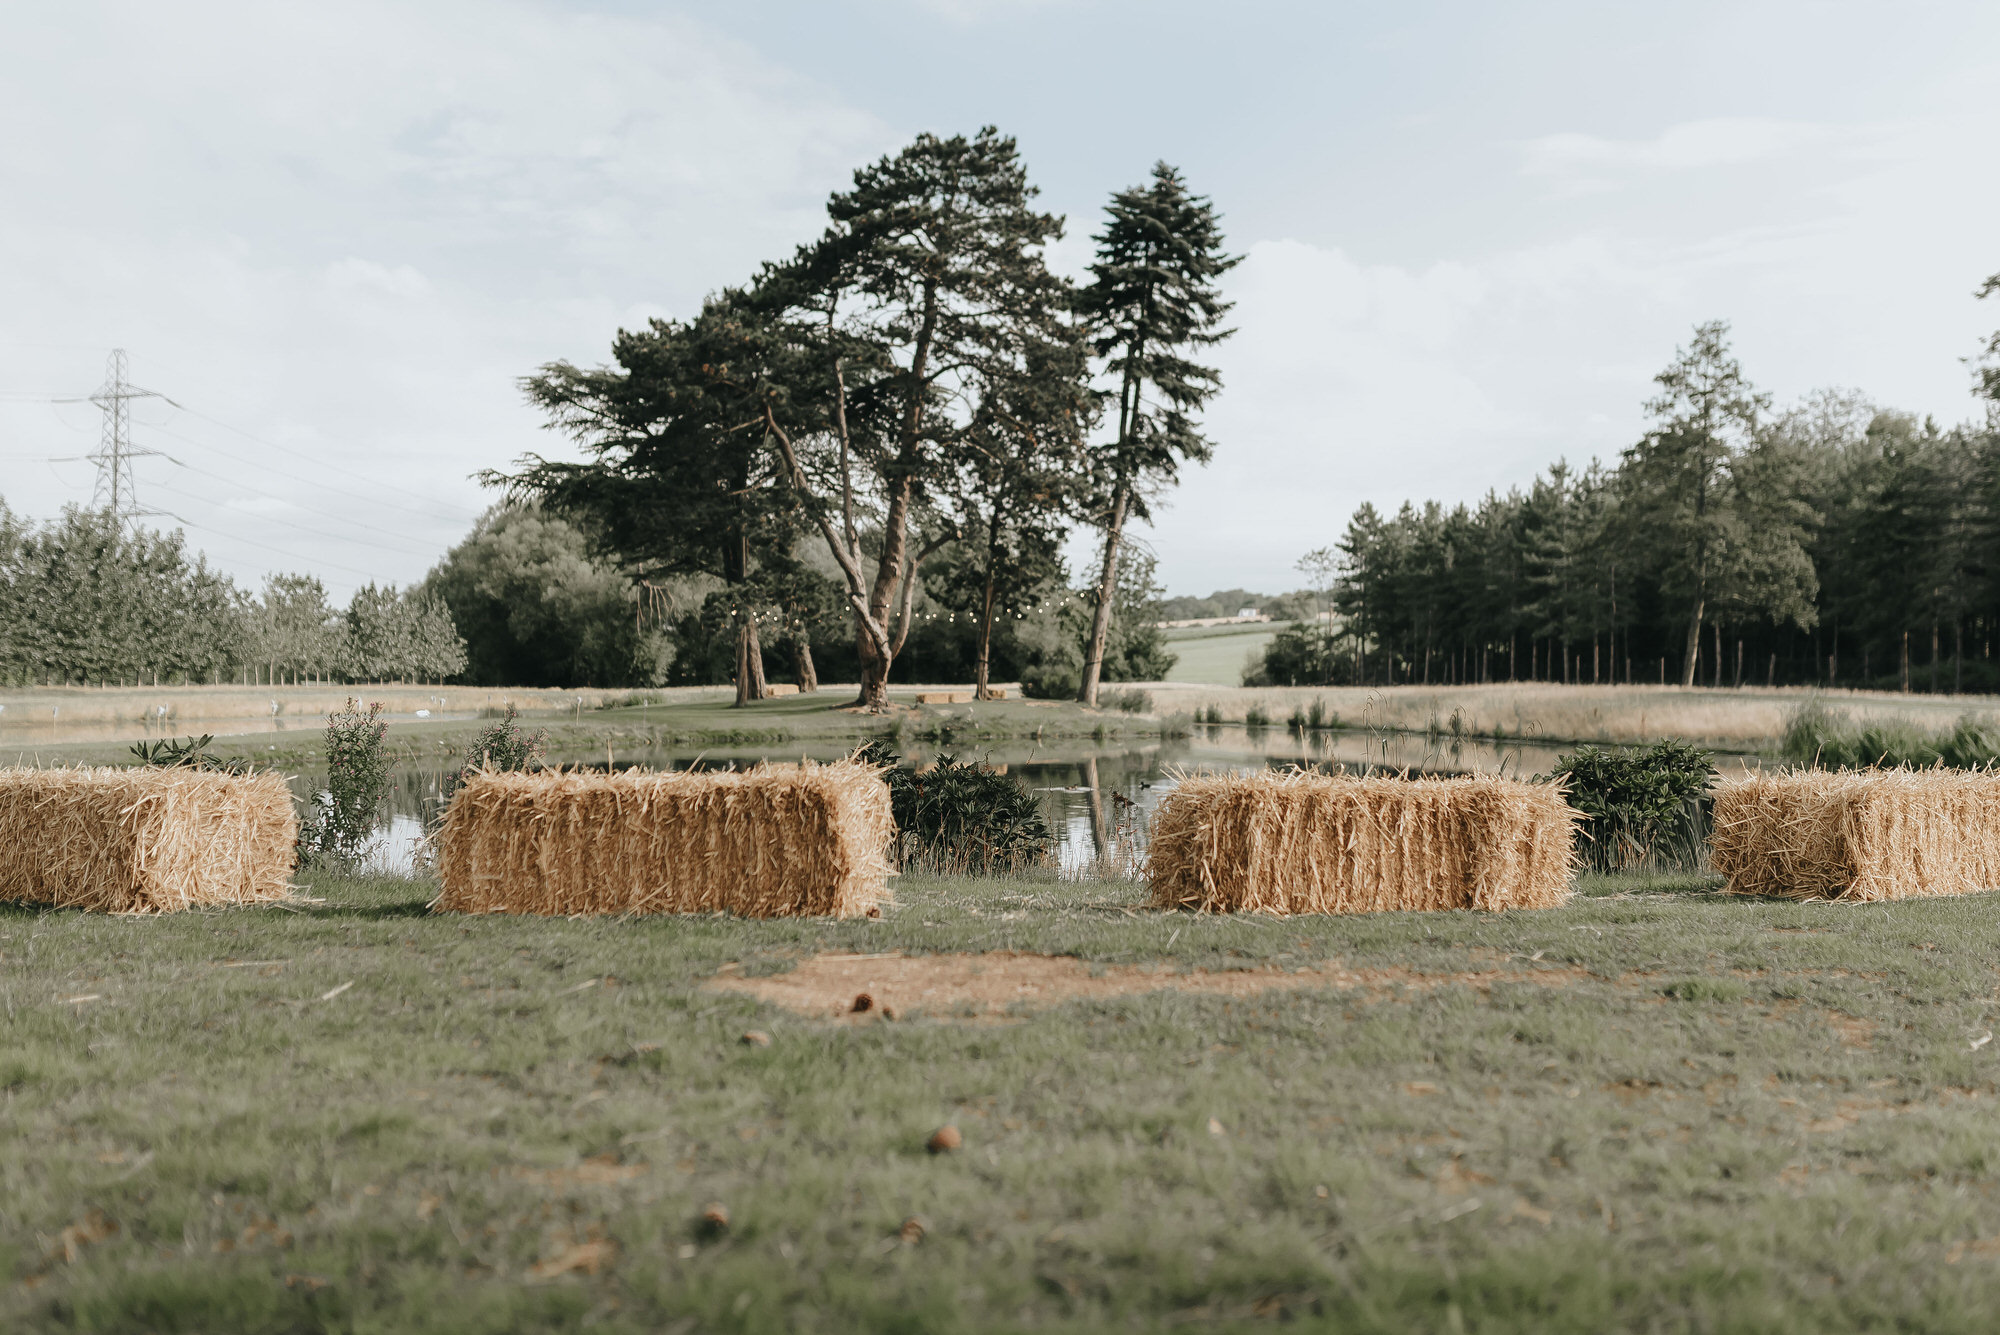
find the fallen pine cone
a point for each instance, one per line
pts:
(913, 1230)
(756, 1038)
(863, 1002)
(714, 1219)
(944, 1140)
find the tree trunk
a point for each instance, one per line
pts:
(982, 665)
(802, 663)
(1692, 662)
(1099, 835)
(749, 661)
(1906, 660)
(1934, 655)
(1958, 657)
(1107, 586)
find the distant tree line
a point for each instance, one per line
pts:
(1297, 605)
(1833, 543)
(85, 599)
(863, 462)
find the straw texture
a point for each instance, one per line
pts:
(144, 840)
(1316, 843)
(775, 841)
(1858, 834)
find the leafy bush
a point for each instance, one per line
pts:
(188, 753)
(959, 816)
(1054, 680)
(1301, 654)
(1639, 805)
(341, 824)
(504, 746)
(1255, 717)
(1314, 719)
(1815, 735)
(1126, 702)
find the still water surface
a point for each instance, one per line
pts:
(1097, 797)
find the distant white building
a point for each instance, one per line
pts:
(1249, 614)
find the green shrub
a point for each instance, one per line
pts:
(958, 816)
(1255, 717)
(1300, 654)
(1815, 735)
(1127, 702)
(504, 746)
(188, 753)
(341, 824)
(1060, 680)
(1640, 806)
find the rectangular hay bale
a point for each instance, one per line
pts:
(1858, 834)
(944, 697)
(775, 841)
(1317, 843)
(144, 840)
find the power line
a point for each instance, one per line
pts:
(391, 534)
(289, 523)
(302, 481)
(290, 556)
(302, 455)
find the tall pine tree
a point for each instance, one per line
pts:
(1152, 301)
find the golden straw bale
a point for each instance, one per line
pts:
(778, 840)
(1316, 843)
(144, 840)
(1858, 834)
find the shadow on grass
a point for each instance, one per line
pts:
(1610, 884)
(364, 898)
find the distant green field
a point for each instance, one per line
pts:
(1213, 655)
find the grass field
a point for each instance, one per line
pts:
(1751, 719)
(1213, 655)
(1652, 1110)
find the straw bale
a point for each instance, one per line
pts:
(778, 840)
(1316, 843)
(1858, 834)
(144, 840)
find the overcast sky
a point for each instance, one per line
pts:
(335, 235)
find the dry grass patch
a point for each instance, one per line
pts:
(994, 984)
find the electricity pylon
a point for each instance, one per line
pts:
(116, 490)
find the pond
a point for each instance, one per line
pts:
(1097, 797)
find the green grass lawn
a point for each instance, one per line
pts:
(1655, 1109)
(1214, 655)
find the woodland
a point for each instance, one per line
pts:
(1834, 543)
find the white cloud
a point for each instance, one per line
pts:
(1695, 145)
(347, 231)
(351, 275)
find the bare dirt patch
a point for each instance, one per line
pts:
(994, 984)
